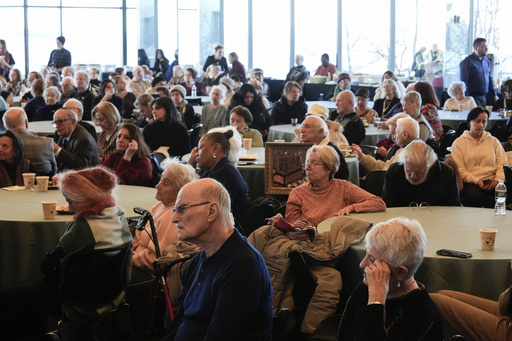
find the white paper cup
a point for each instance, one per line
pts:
(487, 238)
(247, 143)
(461, 107)
(294, 121)
(49, 208)
(29, 179)
(42, 183)
(489, 108)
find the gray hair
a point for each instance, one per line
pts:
(235, 142)
(222, 91)
(55, 91)
(454, 86)
(393, 84)
(413, 97)
(69, 114)
(182, 174)
(400, 242)
(409, 125)
(215, 192)
(301, 57)
(15, 121)
(320, 124)
(329, 157)
(70, 79)
(392, 121)
(419, 151)
(87, 78)
(77, 102)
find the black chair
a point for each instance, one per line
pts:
(508, 182)
(92, 288)
(374, 182)
(280, 324)
(445, 142)
(158, 158)
(194, 134)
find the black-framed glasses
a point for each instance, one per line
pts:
(181, 209)
(56, 122)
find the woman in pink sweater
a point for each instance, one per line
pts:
(324, 197)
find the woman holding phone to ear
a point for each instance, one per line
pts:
(130, 162)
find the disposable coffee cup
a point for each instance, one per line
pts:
(247, 143)
(489, 108)
(487, 238)
(294, 121)
(42, 183)
(49, 208)
(279, 141)
(461, 107)
(29, 179)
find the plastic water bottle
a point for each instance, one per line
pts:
(500, 194)
(321, 96)
(194, 91)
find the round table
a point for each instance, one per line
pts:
(486, 274)
(25, 236)
(45, 128)
(374, 135)
(454, 118)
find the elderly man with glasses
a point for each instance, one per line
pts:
(420, 177)
(226, 292)
(76, 148)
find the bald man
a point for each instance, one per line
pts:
(347, 117)
(39, 150)
(226, 292)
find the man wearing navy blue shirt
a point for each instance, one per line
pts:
(226, 291)
(60, 57)
(475, 71)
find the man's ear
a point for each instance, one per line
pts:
(213, 211)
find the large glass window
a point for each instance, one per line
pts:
(365, 37)
(188, 33)
(42, 35)
(12, 18)
(167, 28)
(236, 29)
(211, 30)
(315, 32)
(271, 23)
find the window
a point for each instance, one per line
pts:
(236, 29)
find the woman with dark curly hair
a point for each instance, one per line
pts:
(249, 98)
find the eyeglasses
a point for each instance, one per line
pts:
(312, 164)
(181, 209)
(59, 122)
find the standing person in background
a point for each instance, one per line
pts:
(143, 58)
(170, 70)
(418, 65)
(326, 69)
(60, 57)
(217, 58)
(161, 63)
(6, 60)
(475, 72)
(237, 67)
(298, 73)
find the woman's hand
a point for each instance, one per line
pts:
(377, 279)
(108, 94)
(346, 210)
(130, 151)
(193, 157)
(356, 150)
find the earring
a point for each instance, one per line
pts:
(398, 285)
(214, 155)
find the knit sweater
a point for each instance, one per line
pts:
(304, 201)
(143, 248)
(479, 159)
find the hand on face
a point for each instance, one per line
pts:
(377, 276)
(132, 148)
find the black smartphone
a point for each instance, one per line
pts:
(453, 253)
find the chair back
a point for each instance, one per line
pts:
(374, 182)
(96, 277)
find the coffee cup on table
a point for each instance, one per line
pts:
(487, 238)
(29, 179)
(49, 208)
(247, 143)
(461, 107)
(294, 121)
(42, 183)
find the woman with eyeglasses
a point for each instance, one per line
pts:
(313, 202)
(212, 157)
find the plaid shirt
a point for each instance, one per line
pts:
(60, 58)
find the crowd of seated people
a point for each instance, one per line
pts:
(414, 172)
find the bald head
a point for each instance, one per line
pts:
(15, 118)
(345, 102)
